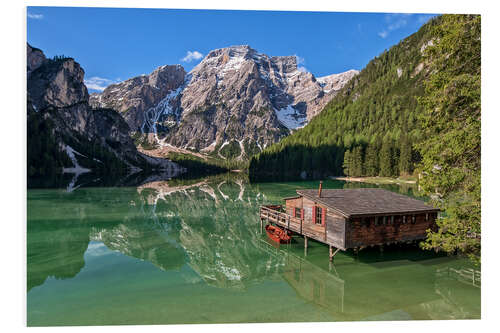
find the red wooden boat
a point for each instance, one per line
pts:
(277, 234)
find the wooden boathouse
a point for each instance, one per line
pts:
(352, 218)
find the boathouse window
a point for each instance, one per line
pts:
(318, 215)
(384, 220)
(297, 212)
(413, 219)
(404, 219)
(376, 220)
(392, 219)
(427, 217)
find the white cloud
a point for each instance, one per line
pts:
(192, 55)
(35, 16)
(383, 34)
(424, 18)
(99, 83)
(300, 60)
(394, 22)
(97, 249)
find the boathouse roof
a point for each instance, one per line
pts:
(367, 202)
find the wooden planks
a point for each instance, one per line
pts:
(293, 223)
(365, 232)
(335, 230)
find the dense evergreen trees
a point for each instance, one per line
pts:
(451, 123)
(197, 166)
(373, 120)
(45, 158)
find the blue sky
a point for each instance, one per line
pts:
(114, 44)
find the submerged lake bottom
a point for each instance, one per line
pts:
(185, 252)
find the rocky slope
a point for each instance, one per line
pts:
(133, 97)
(233, 104)
(61, 122)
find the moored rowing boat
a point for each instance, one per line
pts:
(277, 234)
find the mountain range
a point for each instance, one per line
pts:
(233, 104)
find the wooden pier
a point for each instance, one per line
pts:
(274, 214)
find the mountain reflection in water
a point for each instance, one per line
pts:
(206, 232)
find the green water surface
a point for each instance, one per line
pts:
(175, 252)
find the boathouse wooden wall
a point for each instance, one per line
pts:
(291, 203)
(335, 224)
(332, 232)
(335, 229)
(318, 230)
(364, 231)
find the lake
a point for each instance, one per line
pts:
(192, 251)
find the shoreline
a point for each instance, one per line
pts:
(374, 180)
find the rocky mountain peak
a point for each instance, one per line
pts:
(35, 58)
(234, 103)
(134, 97)
(336, 81)
(55, 82)
(239, 51)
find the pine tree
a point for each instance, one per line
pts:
(347, 165)
(357, 161)
(405, 155)
(371, 160)
(385, 157)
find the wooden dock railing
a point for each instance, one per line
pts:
(275, 214)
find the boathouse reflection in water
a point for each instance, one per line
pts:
(212, 226)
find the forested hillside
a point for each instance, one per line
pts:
(369, 128)
(451, 145)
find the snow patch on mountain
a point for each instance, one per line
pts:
(162, 108)
(335, 82)
(290, 118)
(77, 168)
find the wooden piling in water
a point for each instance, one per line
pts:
(332, 253)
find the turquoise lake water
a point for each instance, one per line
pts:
(175, 252)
